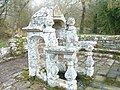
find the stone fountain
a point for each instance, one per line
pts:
(49, 35)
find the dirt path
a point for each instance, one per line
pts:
(7, 69)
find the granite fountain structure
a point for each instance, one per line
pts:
(50, 36)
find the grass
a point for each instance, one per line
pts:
(36, 82)
(43, 84)
(86, 80)
(100, 35)
(2, 43)
(5, 35)
(110, 81)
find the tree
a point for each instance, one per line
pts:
(18, 14)
(108, 16)
(83, 16)
(14, 13)
(19, 8)
(3, 11)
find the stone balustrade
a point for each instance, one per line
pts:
(52, 70)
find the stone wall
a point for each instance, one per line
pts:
(103, 41)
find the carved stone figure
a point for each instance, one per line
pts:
(52, 68)
(71, 33)
(50, 35)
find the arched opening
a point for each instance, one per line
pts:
(59, 26)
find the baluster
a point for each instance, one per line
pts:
(89, 62)
(70, 75)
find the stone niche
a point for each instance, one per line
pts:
(59, 25)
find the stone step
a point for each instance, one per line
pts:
(117, 52)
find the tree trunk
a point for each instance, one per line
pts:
(83, 18)
(95, 24)
(15, 17)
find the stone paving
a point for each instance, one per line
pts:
(105, 68)
(107, 72)
(105, 64)
(9, 70)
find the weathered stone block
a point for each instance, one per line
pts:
(97, 84)
(91, 88)
(99, 78)
(10, 88)
(112, 74)
(9, 82)
(22, 85)
(118, 78)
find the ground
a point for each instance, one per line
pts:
(14, 76)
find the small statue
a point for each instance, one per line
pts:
(71, 33)
(48, 24)
(50, 36)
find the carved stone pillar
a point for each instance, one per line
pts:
(32, 56)
(52, 69)
(71, 36)
(70, 75)
(51, 41)
(89, 62)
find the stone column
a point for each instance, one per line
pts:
(89, 62)
(50, 41)
(71, 36)
(71, 74)
(52, 69)
(32, 56)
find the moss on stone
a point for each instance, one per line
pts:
(107, 51)
(25, 74)
(84, 79)
(111, 82)
(44, 84)
(2, 43)
(35, 80)
(117, 57)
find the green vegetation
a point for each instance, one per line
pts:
(4, 36)
(106, 17)
(107, 51)
(2, 43)
(36, 81)
(92, 16)
(84, 80)
(117, 57)
(25, 74)
(116, 54)
(43, 84)
(20, 51)
(110, 81)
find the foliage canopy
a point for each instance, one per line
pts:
(107, 16)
